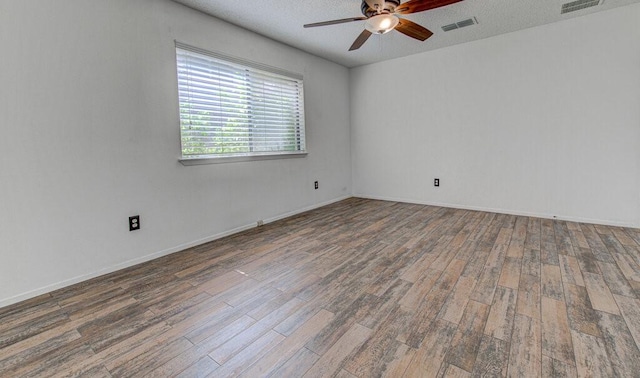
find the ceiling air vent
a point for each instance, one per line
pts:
(460, 24)
(577, 5)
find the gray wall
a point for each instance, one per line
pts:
(544, 121)
(90, 136)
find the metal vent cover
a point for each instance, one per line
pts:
(578, 5)
(460, 24)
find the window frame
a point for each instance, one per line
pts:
(250, 66)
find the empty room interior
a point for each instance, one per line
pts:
(340, 188)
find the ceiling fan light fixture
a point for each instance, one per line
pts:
(382, 23)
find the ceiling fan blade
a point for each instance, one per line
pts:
(413, 30)
(333, 22)
(362, 38)
(372, 4)
(415, 6)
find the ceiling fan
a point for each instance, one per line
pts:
(380, 16)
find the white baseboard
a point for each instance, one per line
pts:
(501, 211)
(308, 208)
(152, 256)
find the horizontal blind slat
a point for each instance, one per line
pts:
(228, 108)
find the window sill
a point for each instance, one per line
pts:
(234, 159)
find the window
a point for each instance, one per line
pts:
(232, 108)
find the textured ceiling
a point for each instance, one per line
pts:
(282, 20)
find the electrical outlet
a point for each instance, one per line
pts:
(315, 185)
(134, 223)
(436, 182)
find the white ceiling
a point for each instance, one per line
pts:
(282, 20)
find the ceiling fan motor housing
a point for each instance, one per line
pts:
(389, 7)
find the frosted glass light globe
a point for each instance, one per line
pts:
(381, 24)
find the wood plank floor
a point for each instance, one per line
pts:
(359, 288)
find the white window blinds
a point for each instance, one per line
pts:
(233, 108)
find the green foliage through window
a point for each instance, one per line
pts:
(231, 109)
